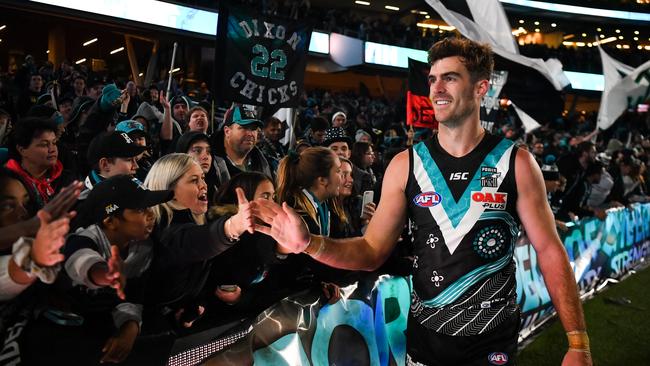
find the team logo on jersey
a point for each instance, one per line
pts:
(498, 358)
(427, 199)
(491, 201)
(489, 242)
(489, 177)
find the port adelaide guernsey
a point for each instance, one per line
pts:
(465, 224)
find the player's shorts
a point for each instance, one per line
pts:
(495, 347)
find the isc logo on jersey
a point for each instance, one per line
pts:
(498, 358)
(491, 201)
(427, 199)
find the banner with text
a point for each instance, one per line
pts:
(260, 59)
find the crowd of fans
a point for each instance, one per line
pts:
(126, 217)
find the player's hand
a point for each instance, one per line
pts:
(285, 226)
(577, 358)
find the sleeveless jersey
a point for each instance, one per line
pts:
(465, 224)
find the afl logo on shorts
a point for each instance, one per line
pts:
(427, 199)
(498, 358)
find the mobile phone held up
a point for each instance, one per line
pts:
(368, 197)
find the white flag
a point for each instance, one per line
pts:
(475, 32)
(620, 89)
(285, 115)
(529, 122)
(489, 14)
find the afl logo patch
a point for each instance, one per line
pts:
(427, 199)
(498, 358)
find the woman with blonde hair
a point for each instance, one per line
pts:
(184, 244)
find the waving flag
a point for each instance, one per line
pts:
(625, 87)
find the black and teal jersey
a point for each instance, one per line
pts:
(465, 224)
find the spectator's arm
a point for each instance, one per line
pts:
(166, 130)
(191, 243)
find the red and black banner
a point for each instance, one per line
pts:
(419, 110)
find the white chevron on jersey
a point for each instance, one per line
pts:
(454, 235)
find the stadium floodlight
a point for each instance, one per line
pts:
(90, 42)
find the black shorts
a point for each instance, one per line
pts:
(495, 347)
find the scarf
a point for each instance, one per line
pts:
(323, 212)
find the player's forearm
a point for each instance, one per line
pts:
(350, 253)
(562, 288)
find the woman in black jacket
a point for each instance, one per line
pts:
(185, 245)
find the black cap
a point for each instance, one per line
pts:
(82, 105)
(117, 193)
(181, 99)
(243, 115)
(550, 172)
(113, 145)
(188, 138)
(336, 134)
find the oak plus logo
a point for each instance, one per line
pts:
(491, 201)
(427, 199)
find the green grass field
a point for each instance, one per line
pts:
(619, 335)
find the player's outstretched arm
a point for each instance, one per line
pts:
(360, 253)
(539, 223)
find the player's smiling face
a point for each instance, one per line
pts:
(453, 94)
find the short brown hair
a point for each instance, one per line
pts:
(197, 108)
(476, 57)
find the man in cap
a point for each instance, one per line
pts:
(236, 142)
(553, 183)
(137, 133)
(110, 154)
(340, 119)
(180, 107)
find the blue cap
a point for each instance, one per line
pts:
(129, 126)
(243, 115)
